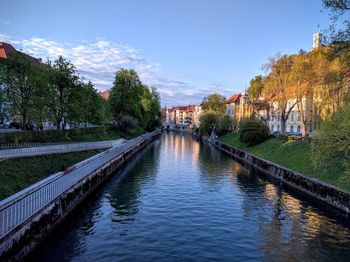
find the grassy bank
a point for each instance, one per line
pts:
(17, 174)
(294, 155)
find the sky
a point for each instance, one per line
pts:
(186, 48)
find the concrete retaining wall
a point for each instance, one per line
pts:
(28, 235)
(314, 188)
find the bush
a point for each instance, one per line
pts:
(226, 125)
(253, 132)
(126, 123)
(331, 144)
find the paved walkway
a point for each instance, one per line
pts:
(58, 149)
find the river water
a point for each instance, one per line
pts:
(181, 200)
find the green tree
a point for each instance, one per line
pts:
(64, 82)
(256, 87)
(331, 145)
(126, 93)
(208, 120)
(21, 77)
(215, 103)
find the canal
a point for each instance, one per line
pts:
(181, 200)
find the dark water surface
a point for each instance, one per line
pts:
(185, 201)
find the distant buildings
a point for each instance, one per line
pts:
(183, 115)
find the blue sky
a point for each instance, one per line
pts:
(186, 48)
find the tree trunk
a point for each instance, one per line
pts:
(283, 125)
(303, 128)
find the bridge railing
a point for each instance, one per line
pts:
(20, 207)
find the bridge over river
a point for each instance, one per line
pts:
(181, 200)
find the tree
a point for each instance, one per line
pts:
(208, 120)
(125, 95)
(339, 10)
(214, 103)
(331, 145)
(278, 83)
(22, 76)
(303, 80)
(256, 87)
(64, 82)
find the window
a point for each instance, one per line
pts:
(278, 127)
(298, 129)
(291, 128)
(272, 128)
(292, 116)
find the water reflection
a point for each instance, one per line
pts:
(126, 199)
(183, 200)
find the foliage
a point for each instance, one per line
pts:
(331, 145)
(126, 123)
(65, 82)
(339, 10)
(125, 95)
(133, 99)
(22, 78)
(226, 124)
(278, 83)
(256, 87)
(253, 132)
(214, 103)
(208, 120)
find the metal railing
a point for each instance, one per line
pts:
(57, 148)
(20, 207)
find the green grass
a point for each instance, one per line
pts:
(295, 155)
(17, 174)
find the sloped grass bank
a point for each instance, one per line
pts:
(295, 155)
(17, 174)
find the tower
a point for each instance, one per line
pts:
(317, 39)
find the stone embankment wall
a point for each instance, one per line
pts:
(322, 192)
(28, 235)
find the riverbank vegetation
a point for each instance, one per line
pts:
(213, 115)
(35, 94)
(295, 155)
(19, 173)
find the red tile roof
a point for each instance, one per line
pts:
(188, 108)
(233, 98)
(6, 50)
(105, 94)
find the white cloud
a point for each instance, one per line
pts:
(98, 61)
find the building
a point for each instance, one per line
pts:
(232, 104)
(105, 94)
(183, 115)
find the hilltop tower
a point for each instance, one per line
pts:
(317, 39)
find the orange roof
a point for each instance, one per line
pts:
(188, 108)
(105, 94)
(6, 50)
(233, 98)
